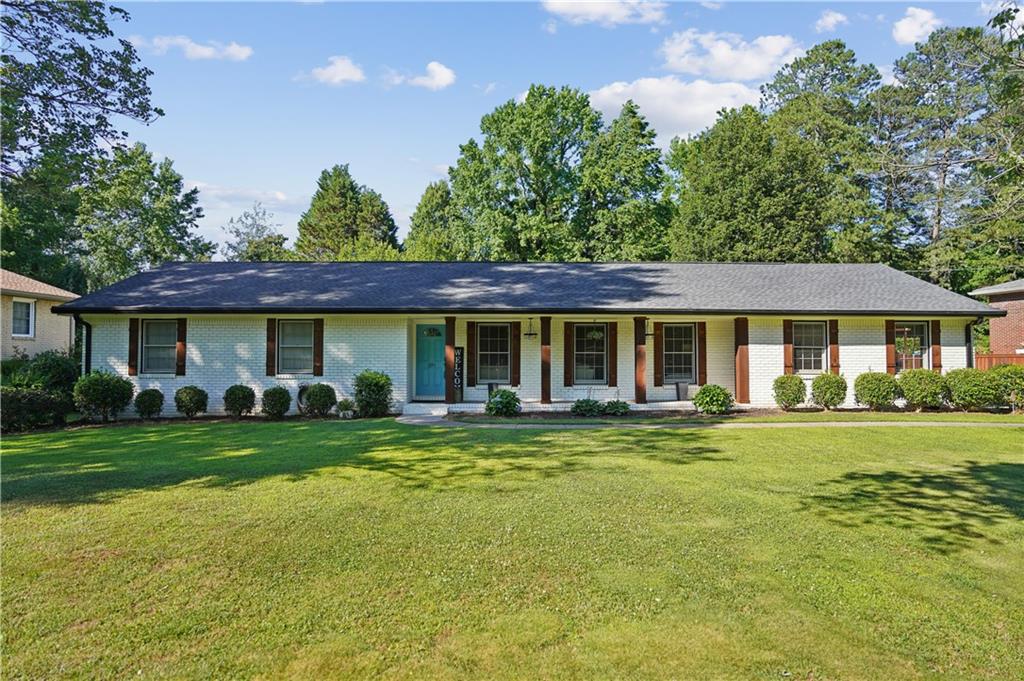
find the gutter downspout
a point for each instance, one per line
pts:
(86, 343)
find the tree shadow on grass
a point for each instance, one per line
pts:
(100, 464)
(948, 510)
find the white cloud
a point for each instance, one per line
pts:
(727, 55)
(674, 107)
(711, 5)
(829, 21)
(550, 26)
(162, 44)
(607, 13)
(219, 196)
(339, 70)
(437, 77)
(990, 8)
(915, 26)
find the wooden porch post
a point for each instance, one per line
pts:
(449, 360)
(640, 360)
(742, 360)
(545, 360)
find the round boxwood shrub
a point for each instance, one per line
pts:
(503, 402)
(615, 408)
(149, 403)
(713, 399)
(828, 390)
(789, 390)
(876, 390)
(239, 400)
(974, 389)
(372, 394)
(923, 389)
(320, 400)
(191, 400)
(28, 408)
(1011, 383)
(587, 407)
(276, 402)
(102, 395)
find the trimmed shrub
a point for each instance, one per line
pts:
(587, 407)
(239, 400)
(789, 390)
(102, 395)
(149, 403)
(52, 370)
(828, 390)
(713, 399)
(320, 400)
(345, 404)
(28, 408)
(372, 394)
(276, 402)
(974, 389)
(191, 400)
(1011, 383)
(923, 389)
(616, 408)
(876, 390)
(503, 402)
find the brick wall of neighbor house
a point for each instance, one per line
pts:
(52, 332)
(1006, 334)
(230, 349)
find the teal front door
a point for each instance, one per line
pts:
(430, 361)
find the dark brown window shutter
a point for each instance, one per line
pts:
(133, 346)
(471, 351)
(569, 351)
(271, 346)
(659, 353)
(890, 346)
(702, 353)
(833, 346)
(787, 346)
(937, 345)
(613, 354)
(318, 347)
(516, 330)
(179, 347)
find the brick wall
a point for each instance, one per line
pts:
(1006, 334)
(52, 332)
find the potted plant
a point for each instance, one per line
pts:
(346, 408)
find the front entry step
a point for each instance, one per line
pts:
(424, 409)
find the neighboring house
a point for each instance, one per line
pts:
(1006, 334)
(553, 332)
(28, 324)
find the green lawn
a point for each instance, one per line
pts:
(369, 549)
(754, 417)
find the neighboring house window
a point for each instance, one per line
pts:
(809, 345)
(591, 353)
(679, 349)
(295, 347)
(493, 352)
(159, 341)
(911, 341)
(24, 322)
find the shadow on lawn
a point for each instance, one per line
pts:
(97, 464)
(949, 509)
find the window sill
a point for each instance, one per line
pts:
(24, 336)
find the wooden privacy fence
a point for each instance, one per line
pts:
(986, 362)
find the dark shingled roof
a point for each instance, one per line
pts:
(753, 288)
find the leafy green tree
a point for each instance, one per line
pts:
(367, 248)
(829, 69)
(135, 215)
(341, 212)
(746, 190)
(64, 79)
(253, 236)
(430, 230)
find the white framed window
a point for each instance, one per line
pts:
(680, 356)
(810, 341)
(159, 346)
(494, 354)
(911, 345)
(295, 347)
(23, 318)
(591, 353)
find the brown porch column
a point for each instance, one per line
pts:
(545, 360)
(742, 360)
(449, 360)
(640, 360)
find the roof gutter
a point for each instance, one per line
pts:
(86, 344)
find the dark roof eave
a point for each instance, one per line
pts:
(290, 309)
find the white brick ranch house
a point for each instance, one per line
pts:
(647, 333)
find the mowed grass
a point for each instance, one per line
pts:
(755, 417)
(373, 549)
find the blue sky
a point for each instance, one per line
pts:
(260, 97)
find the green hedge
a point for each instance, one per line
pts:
(28, 408)
(974, 389)
(923, 388)
(876, 390)
(789, 390)
(828, 390)
(372, 394)
(1011, 383)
